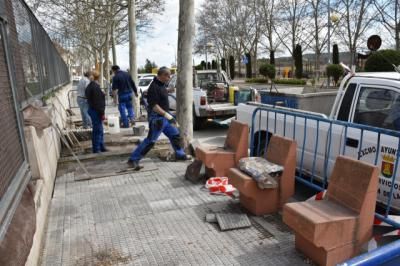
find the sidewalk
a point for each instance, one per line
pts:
(155, 217)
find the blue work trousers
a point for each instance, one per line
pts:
(84, 107)
(125, 105)
(158, 125)
(97, 133)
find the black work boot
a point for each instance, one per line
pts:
(134, 165)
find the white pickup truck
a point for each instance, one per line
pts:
(211, 99)
(370, 99)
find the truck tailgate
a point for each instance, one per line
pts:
(222, 106)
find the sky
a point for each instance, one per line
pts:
(160, 44)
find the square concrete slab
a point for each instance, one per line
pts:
(231, 221)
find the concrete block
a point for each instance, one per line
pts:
(220, 160)
(263, 201)
(321, 256)
(324, 223)
(332, 230)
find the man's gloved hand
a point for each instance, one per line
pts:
(103, 117)
(171, 119)
(136, 94)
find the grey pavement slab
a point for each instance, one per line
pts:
(155, 218)
(230, 221)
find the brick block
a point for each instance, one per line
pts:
(333, 230)
(324, 223)
(263, 201)
(321, 256)
(218, 160)
(351, 181)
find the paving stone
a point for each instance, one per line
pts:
(230, 221)
(211, 218)
(155, 218)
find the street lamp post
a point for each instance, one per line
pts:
(332, 18)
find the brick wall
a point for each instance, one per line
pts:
(11, 153)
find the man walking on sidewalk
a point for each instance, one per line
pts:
(82, 101)
(160, 121)
(123, 86)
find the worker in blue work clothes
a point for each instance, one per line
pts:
(160, 121)
(97, 106)
(124, 87)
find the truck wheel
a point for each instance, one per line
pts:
(260, 148)
(199, 122)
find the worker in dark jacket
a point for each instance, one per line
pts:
(97, 105)
(160, 121)
(123, 86)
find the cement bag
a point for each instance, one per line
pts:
(36, 117)
(262, 171)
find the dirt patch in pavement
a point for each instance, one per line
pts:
(110, 257)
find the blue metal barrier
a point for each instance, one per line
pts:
(353, 140)
(388, 255)
(273, 98)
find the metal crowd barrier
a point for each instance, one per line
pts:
(315, 134)
(73, 102)
(388, 255)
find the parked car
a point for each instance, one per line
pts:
(364, 123)
(211, 97)
(144, 84)
(145, 75)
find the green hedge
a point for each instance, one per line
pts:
(335, 71)
(291, 81)
(267, 70)
(383, 60)
(257, 80)
(278, 81)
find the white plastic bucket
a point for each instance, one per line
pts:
(113, 124)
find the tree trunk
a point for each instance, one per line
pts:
(132, 48)
(113, 45)
(96, 61)
(184, 85)
(240, 66)
(397, 24)
(317, 64)
(107, 58)
(272, 57)
(101, 69)
(255, 71)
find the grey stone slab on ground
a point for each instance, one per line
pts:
(230, 221)
(155, 218)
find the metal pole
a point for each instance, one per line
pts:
(329, 38)
(386, 254)
(206, 57)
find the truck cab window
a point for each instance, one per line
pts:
(346, 102)
(378, 107)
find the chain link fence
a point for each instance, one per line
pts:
(43, 67)
(30, 67)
